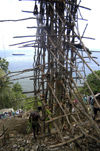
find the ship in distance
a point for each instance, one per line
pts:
(18, 54)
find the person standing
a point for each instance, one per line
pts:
(34, 120)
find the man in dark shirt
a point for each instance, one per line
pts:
(34, 120)
(96, 108)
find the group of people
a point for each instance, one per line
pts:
(9, 113)
(35, 117)
(91, 101)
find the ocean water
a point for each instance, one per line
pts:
(22, 62)
(18, 62)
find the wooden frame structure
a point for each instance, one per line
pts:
(60, 63)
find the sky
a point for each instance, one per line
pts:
(12, 9)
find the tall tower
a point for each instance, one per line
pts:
(60, 65)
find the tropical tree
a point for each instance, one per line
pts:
(17, 96)
(93, 82)
(4, 64)
(5, 90)
(10, 96)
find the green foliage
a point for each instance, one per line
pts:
(29, 127)
(3, 70)
(17, 96)
(17, 88)
(2, 79)
(93, 82)
(2, 73)
(5, 90)
(31, 103)
(4, 64)
(9, 96)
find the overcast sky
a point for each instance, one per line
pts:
(11, 9)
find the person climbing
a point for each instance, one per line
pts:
(34, 120)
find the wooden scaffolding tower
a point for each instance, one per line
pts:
(60, 63)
